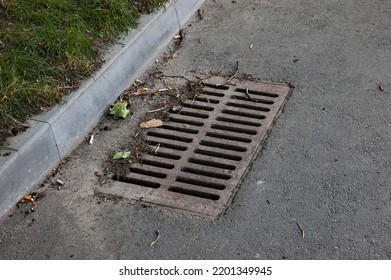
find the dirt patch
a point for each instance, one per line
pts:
(165, 94)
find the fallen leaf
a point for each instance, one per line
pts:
(126, 154)
(33, 197)
(120, 155)
(137, 92)
(119, 110)
(151, 123)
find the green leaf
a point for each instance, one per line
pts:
(119, 110)
(3, 148)
(118, 155)
(124, 154)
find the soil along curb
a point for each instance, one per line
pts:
(55, 134)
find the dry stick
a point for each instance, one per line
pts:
(157, 238)
(175, 76)
(154, 149)
(157, 110)
(233, 76)
(301, 230)
(249, 97)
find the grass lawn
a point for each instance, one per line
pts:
(47, 48)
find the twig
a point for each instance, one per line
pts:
(157, 110)
(301, 230)
(249, 97)
(175, 76)
(157, 238)
(233, 76)
(164, 89)
(154, 150)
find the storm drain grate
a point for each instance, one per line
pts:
(200, 156)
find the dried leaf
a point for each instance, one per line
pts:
(151, 123)
(33, 197)
(119, 110)
(137, 92)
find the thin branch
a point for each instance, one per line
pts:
(249, 97)
(157, 238)
(301, 230)
(175, 76)
(157, 110)
(233, 76)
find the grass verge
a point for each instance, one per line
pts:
(47, 47)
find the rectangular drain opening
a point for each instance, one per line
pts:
(200, 155)
(135, 181)
(201, 183)
(194, 193)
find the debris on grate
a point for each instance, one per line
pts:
(200, 155)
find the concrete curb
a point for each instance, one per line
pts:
(53, 135)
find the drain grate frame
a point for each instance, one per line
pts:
(202, 153)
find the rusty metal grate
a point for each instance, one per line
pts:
(202, 153)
